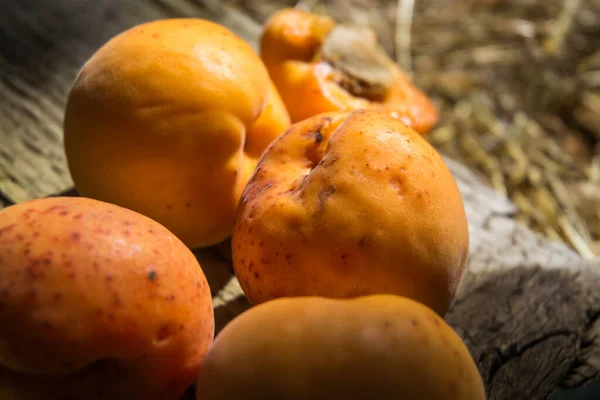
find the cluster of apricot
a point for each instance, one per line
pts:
(348, 233)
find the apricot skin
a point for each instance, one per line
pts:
(168, 119)
(290, 45)
(351, 204)
(375, 347)
(97, 302)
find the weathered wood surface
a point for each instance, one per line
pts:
(528, 308)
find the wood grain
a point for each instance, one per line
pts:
(528, 308)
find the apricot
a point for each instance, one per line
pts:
(374, 347)
(320, 66)
(97, 302)
(351, 204)
(168, 119)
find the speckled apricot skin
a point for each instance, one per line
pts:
(169, 119)
(97, 302)
(290, 46)
(351, 204)
(374, 347)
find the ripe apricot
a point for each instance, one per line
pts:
(97, 302)
(168, 119)
(320, 66)
(375, 347)
(351, 204)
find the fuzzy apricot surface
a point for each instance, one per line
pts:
(351, 204)
(97, 302)
(168, 119)
(374, 347)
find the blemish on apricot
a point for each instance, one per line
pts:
(152, 276)
(76, 236)
(27, 212)
(53, 208)
(163, 333)
(323, 196)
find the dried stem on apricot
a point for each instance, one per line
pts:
(362, 67)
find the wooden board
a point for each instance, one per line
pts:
(528, 308)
